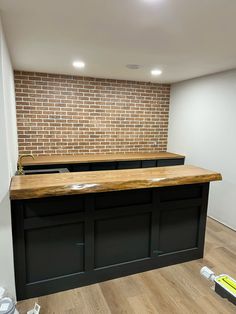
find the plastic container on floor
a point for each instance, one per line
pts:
(7, 306)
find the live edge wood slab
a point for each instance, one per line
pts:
(39, 186)
(72, 159)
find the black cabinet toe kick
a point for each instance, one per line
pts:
(70, 241)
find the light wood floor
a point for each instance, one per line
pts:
(174, 289)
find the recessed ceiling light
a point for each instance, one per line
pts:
(156, 72)
(79, 64)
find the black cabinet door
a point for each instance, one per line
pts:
(50, 206)
(129, 164)
(178, 229)
(180, 217)
(96, 166)
(69, 167)
(121, 239)
(54, 251)
(80, 167)
(149, 163)
(170, 162)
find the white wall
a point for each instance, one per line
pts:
(202, 125)
(8, 158)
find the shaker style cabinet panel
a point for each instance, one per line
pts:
(178, 229)
(104, 235)
(149, 163)
(170, 162)
(121, 239)
(80, 167)
(180, 218)
(123, 199)
(129, 164)
(181, 192)
(102, 166)
(50, 206)
(54, 251)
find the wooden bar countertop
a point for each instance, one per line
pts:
(44, 185)
(73, 159)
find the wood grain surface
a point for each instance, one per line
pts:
(44, 185)
(72, 159)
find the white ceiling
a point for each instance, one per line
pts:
(184, 38)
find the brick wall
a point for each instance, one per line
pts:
(59, 114)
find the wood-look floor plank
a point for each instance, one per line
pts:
(129, 285)
(142, 304)
(157, 292)
(177, 289)
(94, 300)
(116, 298)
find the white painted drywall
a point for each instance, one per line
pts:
(8, 158)
(202, 125)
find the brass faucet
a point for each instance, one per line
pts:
(20, 170)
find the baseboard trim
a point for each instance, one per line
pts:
(222, 223)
